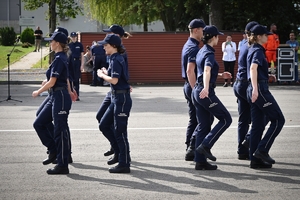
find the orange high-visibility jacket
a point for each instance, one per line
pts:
(273, 43)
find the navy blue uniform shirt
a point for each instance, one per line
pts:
(97, 50)
(206, 57)
(188, 55)
(76, 49)
(58, 69)
(118, 69)
(256, 54)
(242, 61)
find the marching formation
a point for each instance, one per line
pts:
(107, 60)
(256, 105)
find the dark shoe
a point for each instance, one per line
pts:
(113, 160)
(205, 151)
(243, 156)
(205, 166)
(50, 159)
(225, 85)
(119, 169)
(245, 143)
(231, 84)
(34, 50)
(94, 85)
(190, 154)
(70, 160)
(259, 164)
(77, 99)
(264, 156)
(58, 170)
(109, 152)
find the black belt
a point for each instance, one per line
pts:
(242, 81)
(213, 85)
(120, 91)
(51, 90)
(76, 58)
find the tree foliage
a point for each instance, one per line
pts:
(60, 8)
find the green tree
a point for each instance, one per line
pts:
(61, 8)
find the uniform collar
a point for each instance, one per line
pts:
(210, 48)
(194, 40)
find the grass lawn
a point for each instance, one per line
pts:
(15, 56)
(42, 65)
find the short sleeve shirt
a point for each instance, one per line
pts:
(118, 69)
(242, 61)
(256, 54)
(76, 49)
(58, 69)
(188, 55)
(206, 57)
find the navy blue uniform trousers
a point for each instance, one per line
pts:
(265, 105)
(76, 63)
(240, 91)
(190, 140)
(117, 115)
(206, 110)
(57, 109)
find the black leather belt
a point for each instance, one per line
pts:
(213, 85)
(51, 90)
(120, 91)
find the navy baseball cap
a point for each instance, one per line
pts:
(58, 37)
(250, 25)
(196, 23)
(116, 29)
(60, 29)
(73, 34)
(211, 31)
(260, 30)
(111, 39)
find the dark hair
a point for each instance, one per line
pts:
(127, 35)
(206, 38)
(87, 47)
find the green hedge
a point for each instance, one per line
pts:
(27, 36)
(8, 36)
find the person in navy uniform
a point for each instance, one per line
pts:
(76, 60)
(99, 58)
(240, 90)
(119, 31)
(188, 73)
(118, 111)
(206, 102)
(262, 101)
(57, 108)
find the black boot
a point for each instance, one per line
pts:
(113, 160)
(190, 154)
(58, 170)
(205, 166)
(109, 152)
(50, 159)
(119, 169)
(206, 151)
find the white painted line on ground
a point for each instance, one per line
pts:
(156, 128)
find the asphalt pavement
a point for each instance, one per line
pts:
(156, 131)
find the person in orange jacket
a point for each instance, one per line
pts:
(272, 45)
